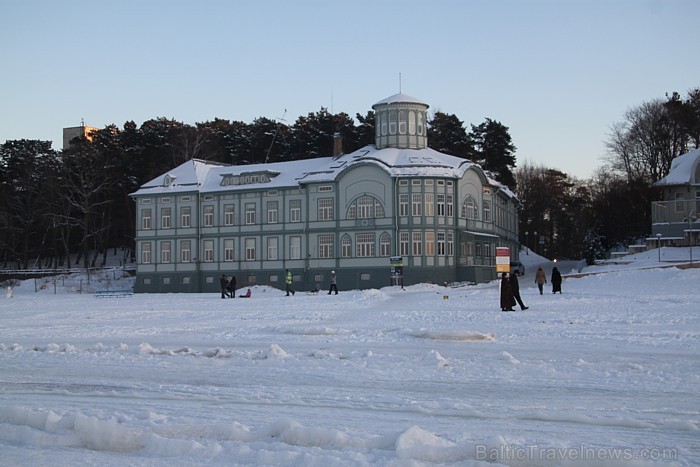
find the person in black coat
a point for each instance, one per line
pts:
(223, 282)
(232, 287)
(515, 287)
(556, 281)
(507, 300)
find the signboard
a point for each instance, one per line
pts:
(396, 263)
(502, 259)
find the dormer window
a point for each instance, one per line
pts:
(247, 178)
(168, 180)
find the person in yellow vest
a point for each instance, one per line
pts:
(288, 282)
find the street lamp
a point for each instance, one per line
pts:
(658, 245)
(534, 235)
(690, 235)
(527, 245)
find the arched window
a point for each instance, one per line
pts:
(382, 116)
(412, 122)
(378, 124)
(420, 123)
(346, 246)
(402, 122)
(392, 122)
(385, 245)
(365, 207)
(469, 209)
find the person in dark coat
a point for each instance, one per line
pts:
(515, 287)
(232, 287)
(556, 281)
(224, 286)
(507, 299)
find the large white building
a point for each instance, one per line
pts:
(353, 213)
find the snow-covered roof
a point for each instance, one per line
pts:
(206, 177)
(682, 170)
(400, 98)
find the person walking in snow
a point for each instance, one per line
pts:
(507, 299)
(515, 287)
(223, 282)
(288, 282)
(334, 284)
(540, 279)
(556, 280)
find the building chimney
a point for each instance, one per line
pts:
(337, 144)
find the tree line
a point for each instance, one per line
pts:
(55, 204)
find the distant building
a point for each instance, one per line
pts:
(675, 219)
(393, 207)
(70, 133)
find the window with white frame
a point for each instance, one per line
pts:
(185, 216)
(403, 204)
(325, 246)
(364, 247)
(295, 210)
(185, 251)
(469, 209)
(295, 247)
(146, 252)
(449, 205)
(208, 216)
(382, 117)
(429, 243)
(417, 204)
(450, 244)
(366, 207)
(417, 243)
(250, 213)
(429, 202)
(412, 122)
(420, 123)
(441, 243)
(404, 245)
(325, 209)
(208, 247)
(486, 209)
(441, 205)
(146, 215)
(250, 249)
(229, 252)
(392, 122)
(272, 212)
(402, 122)
(346, 246)
(165, 215)
(385, 245)
(229, 214)
(272, 248)
(165, 252)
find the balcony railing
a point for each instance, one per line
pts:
(674, 212)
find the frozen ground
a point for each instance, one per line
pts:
(605, 374)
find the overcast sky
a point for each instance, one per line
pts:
(557, 73)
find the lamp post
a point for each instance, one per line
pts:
(534, 235)
(658, 245)
(690, 235)
(527, 245)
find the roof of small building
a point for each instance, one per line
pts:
(682, 170)
(400, 98)
(206, 177)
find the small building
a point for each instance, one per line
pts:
(70, 133)
(675, 219)
(394, 207)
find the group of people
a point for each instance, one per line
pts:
(510, 287)
(228, 288)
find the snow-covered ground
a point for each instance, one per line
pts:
(608, 373)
